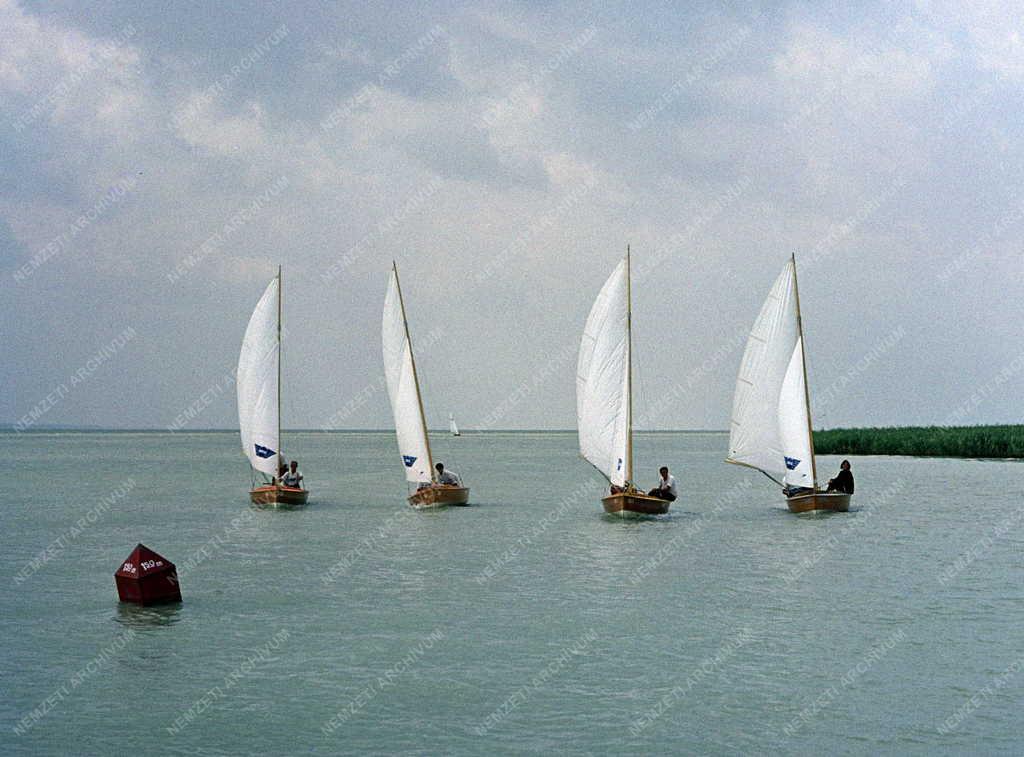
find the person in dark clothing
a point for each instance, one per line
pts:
(843, 482)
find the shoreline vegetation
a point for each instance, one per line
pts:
(923, 441)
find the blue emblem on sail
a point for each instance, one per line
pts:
(264, 452)
(408, 460)
(791, 463)
(619, 465)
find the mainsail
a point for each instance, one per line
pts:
(770, 427)
(451, 425)
(602, 380)
(795, 424)
(403, 387)
(258, 376)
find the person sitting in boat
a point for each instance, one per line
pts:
(666, 488)
(447, 478)
(843, 482)
(292, 477)
(282, 469)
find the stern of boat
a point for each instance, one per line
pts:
(630, 504)
(819, 501)
(275, 496)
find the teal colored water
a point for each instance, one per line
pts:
(528, 623)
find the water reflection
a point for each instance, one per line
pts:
(141, 618)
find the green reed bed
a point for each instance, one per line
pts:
(926, 441)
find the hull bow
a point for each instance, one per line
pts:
(439, 496)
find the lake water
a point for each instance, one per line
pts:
(528, 623)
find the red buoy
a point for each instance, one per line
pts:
(146, 578)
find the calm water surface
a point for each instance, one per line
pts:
(528, 623)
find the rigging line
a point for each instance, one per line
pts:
(451, 461)
(641, 400)
(641, 395)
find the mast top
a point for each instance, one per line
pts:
(280, 295)
(803, 360)
(629, 371)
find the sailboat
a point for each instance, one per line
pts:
(604, 396)
(771, 412)
(451, 425)
(407, 406)
(259, 399)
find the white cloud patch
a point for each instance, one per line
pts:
(226, 134)
(994, 28)
(60, 75)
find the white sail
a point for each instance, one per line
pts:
(257, 384)
(401, 381)
(602, 376)
(794, 423)
(452, 426)
(769, 412)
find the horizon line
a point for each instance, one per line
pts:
(10, 428)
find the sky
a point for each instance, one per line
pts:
(158, 163)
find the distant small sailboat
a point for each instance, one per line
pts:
(451, 425)
(259, 399)
(771, 413)
(604, 396)
(407, 406)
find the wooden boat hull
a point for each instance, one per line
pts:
(278, 495)
(626, 505)
(439, 496)
(832, 501)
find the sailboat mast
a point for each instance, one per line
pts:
(280, 287)
(803, 361)
(629, 373)
(415, 377)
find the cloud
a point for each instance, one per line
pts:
(517, 119)
(60, 75)
(205, 126)
(12, 252)
(993, 28)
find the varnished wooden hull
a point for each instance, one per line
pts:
(439, 496)
(634, 504)
(278, 495)
(805, 503)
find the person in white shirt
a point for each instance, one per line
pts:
(666, 488)
(447, 478)
(292, 478)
